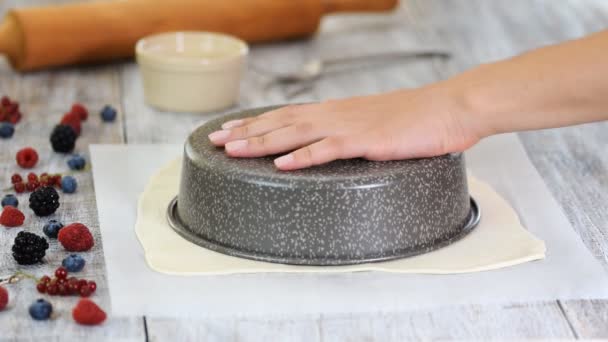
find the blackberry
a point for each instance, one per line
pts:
(29, 248)
(44, 201)
(63, 139)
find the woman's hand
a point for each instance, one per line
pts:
(403, 124)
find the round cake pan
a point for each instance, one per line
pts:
(341, 213)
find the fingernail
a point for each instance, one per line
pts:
(236, 145)
(219, 135)
(232, 124)
(284, 160)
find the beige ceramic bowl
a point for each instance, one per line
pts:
(191, 71)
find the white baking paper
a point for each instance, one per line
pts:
(568, 272)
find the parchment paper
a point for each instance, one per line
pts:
(569, 271)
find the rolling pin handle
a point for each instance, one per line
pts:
(333, 6)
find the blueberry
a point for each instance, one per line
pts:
(41, 310)
(68, 184)
(6, 130)
(11, 200)
(73, 263)
(77, 162)
(51, 228)
(108, 114)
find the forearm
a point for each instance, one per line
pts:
(553, 86)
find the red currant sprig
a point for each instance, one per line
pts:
(63, 286)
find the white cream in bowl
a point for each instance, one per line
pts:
(191, 71)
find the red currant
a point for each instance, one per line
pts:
(16, 178)
(62, 290)
(52, 289)
(82, 283)
(32, 185)
(19, 187)
(73, 288)
(41, 287)
(32, 177)
(44, 174)
(92, 286)
(85, 291)
(45, 279)
(57, 180)
(61, 273)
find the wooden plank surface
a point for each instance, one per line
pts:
(570, 160)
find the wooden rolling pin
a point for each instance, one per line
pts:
(49, 36)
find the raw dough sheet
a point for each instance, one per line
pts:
(498, 241)
(568, 271)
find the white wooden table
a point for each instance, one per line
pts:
(572, 161)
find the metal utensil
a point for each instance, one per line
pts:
(314, 68)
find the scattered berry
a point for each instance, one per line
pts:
(55, 180)
(19, 187)
(52, 289)
(32, 177)
(80, 110)
(32, 185)
(77, 162)
(9, 111)
(51, 228)
(68, 184)
(92, 286)
(72, 120)
(41, 287)
(76, 237)
(84, 291)
(6, 130)
(29, 248)
(63, 139)
(108, 113)
(41, 310)
(88, 313)
(11, 200)
(73, 263)
(45, 279)
(16, 178)
(61, 273)
(11, 217)
(63, 289)
(27, 158)
(45, 180)
(3, 298)
(44, 201)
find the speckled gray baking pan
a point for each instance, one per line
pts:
(341, 213)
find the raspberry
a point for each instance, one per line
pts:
(76, 237)
(88, 313)
(3, 298)
(27, 158)
(44, 201)
(16, 178)
(11, 217)
(73, 120)
(63, 138)
(80, 110)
